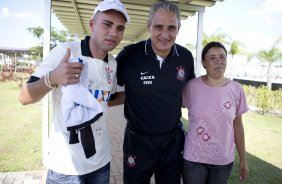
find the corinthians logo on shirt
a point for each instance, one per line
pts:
(180, 73)
(109, 72)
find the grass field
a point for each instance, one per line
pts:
(20, 131)
(20, 143)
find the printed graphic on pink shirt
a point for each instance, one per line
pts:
(206, 142)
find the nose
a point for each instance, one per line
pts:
(165, 33)
(113, 32)
(219, 60)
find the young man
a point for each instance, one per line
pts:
(153, 73)
(69, 162)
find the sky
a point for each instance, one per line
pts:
(255, 23)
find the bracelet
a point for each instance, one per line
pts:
(48, 82)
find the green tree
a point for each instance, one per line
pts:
(56, 37)
(249, 56)
(235, 48)
(36, 31)
(271, 56)
(36, 52)
(216, 36)
(190, 46)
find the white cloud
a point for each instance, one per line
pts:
(250, 40)
(6, 13)
(268, 8)
(272, 6)
(267, 11)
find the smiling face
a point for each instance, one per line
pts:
(163, 28)
(107, 29)
(214, 62)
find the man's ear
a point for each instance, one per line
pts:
(148, 26)
(179, 25)
(91, 24)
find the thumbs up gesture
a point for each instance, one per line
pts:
(67, 72)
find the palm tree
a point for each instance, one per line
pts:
(270, 56)
(216, 36)
(235, 48)
(190, 46)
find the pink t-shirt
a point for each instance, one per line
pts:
(211, 111)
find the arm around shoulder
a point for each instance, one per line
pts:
(118, 100)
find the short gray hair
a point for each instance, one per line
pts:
(166, 5)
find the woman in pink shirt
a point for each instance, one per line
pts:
(215, 106)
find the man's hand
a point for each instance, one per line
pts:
(67, 72)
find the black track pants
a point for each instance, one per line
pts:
(145, 155)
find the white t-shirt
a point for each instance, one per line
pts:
(68, 158)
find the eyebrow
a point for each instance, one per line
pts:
(161, 25)
(107, 21)
(110, 22)
(216, 54)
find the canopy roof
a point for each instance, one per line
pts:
(75, 15)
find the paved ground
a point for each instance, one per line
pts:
(116, 124)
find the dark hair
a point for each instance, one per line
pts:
(211, 45)
(165, 5)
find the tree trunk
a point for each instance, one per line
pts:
(269, 76)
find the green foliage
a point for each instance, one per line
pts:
(36, 31)
(190, 46)
(235, 48)
(263, 100)
(56, 37)
(216, 36)
(36, 52)
(272, 55)
(277, 96)
(235, 45)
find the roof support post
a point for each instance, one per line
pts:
(199, 45)
(45, 100)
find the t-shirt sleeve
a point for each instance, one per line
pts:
(121, 58)
(191, 68)
(50, 62)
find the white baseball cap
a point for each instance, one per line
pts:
(112, 5)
